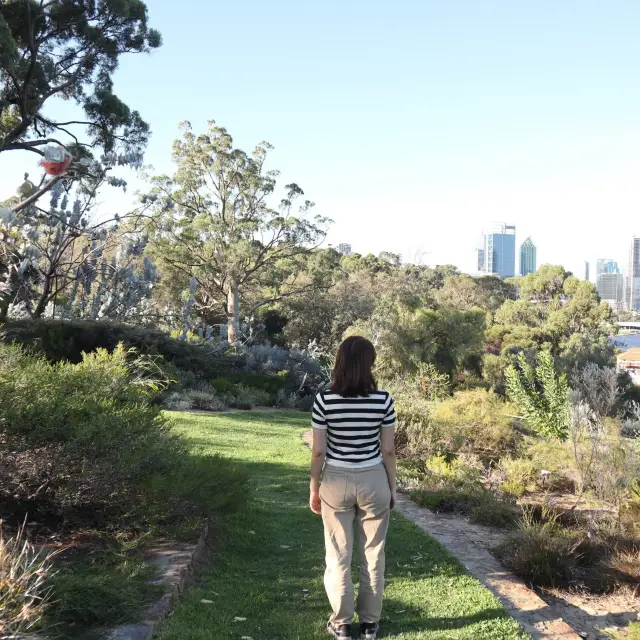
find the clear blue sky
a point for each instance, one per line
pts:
(414, 124)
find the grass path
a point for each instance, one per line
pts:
(264, 578)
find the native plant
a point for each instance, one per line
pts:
(61, 263)
(541, 395)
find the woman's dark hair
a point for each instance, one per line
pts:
(352, 374)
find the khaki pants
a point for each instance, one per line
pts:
(350, 496)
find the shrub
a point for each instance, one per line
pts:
(519, 475)
(416, 434)
(477, 421)
(556, 458)
(24, 585)
(202, 398)
(222, 385)
(247, 398)
(542, 397)
(633, 631)
(444, 499)
(464, 471)
(286, 399)
(433, 384)
(483, 507)
(60, 340)
(83, 440)
(490, 511)
(539, 552)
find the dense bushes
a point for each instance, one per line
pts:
(84, 440)
(474, 421)
(201, 374)
(67, 340)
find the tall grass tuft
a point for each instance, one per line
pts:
(24, 590)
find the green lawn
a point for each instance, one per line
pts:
(264, 577)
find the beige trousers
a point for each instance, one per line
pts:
(348, 497)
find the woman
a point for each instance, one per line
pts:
(353, 427)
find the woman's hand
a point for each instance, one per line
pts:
(314, 502)
(393, 499)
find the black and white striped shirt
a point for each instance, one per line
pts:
(353, 426)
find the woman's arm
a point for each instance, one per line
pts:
(387, 445)
(318, 454)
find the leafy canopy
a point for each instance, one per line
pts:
(216, 225)
(70, 50)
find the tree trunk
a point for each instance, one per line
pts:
(233, 325)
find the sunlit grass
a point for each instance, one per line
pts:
(264, 577)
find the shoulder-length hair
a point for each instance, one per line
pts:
(352, 373)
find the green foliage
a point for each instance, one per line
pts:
(60, 340)
(416, 434)
(444, 499)
(213, 223)
(248, 398)
(494, 369)
(540, 553)
(633, 631)
(84, 440)
(491, 511)
(200, 397)
(519, 475)
(67, 50)
(483, 507)
(464, 471)
(541, 396)
(546, 284)
(476, 421)
(406, 336)
(433, 384)
(463, 292)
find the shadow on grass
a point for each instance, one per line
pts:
(266, 561)
(398, 617)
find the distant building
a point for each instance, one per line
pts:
(480, 261)
(610, 288)
(500, 251)
(527, 257)
(604, 265)
(629, 361)
(632, 289)
(344, 248)
(587, 271)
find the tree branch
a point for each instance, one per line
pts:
(38, 194)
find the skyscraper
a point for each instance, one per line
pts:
(605, 265)
(344, 248)
(587, 270)
(610, 288)
(500, 251)
(632, 290)
(480, 257)
(527, 257)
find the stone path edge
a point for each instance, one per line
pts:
(175, 562)
(534, 615)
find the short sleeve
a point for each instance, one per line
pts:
(318, 414)
(389, 419)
